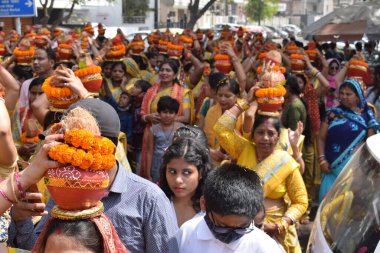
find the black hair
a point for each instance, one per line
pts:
(192, 152)
(187, 67)
(303, 77)
(84, 232)
(230, 83)
(107, 63)
(167, 103)
(69, 65)
(192, 132)
(49, 52)
(21, 71)
(260, 119)
(293, 86)
(174, 65)
(359, 46)
(214, 79)
(150, 55)
(143, 85)
(119, 63)
(51, 118)
(233, 190)
(127, 94)
(140, 62)
(285, 41)
(307, 131)
(36, 82)
(376, 83)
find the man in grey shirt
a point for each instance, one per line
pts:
(139, 210)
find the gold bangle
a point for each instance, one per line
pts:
(242, 104)
(284, 225)
(87, 96)
(235, 59)
(299, 157)
(323, 162)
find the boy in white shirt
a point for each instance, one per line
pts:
(233, 195)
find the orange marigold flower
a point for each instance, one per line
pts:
(86, 161)
(97, 163)
(78, 157)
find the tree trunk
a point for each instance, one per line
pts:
(47, 8)
(58, 21)
(195, 13)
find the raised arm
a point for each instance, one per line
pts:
(8, 154)
(12, 89)
(224, 129)
(240, 74)
(196, 76)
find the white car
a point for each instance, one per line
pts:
(296, 30)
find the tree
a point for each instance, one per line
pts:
(133, 8)
(258, 10)
(47, 9)
(196, 13)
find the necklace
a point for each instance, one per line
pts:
(167, 137)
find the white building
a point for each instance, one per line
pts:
(108, 13)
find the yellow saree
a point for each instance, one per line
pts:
(212, 116)
(280, 175)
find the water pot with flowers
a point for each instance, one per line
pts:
(59, 95)
(85, 157)
(270, 96)
(89, 74)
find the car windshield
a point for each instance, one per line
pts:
(350, 214)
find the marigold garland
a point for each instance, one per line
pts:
(88, 71)
(63, 45)
(277, 91)
(30, 35)
(297, 56)
(20, 53)
(55, 92)
(275, 68)
(87, 151)
(292, 48)
(186, 39)
(262, 55)
(222, 57)
(25, 139)
(86, 140)
(360, 63)
(311, 51)
(117, 51)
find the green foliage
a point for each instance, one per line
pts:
(135, 7)
(258, 10)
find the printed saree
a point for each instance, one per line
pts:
(346, 131)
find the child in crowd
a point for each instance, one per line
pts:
(137, 92)
(160, 135)
(233, 196)
(123, 109)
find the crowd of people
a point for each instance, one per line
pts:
(221, 144)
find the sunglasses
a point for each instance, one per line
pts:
(334, 68)
(225, 230)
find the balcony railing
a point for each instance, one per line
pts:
(134, 20)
